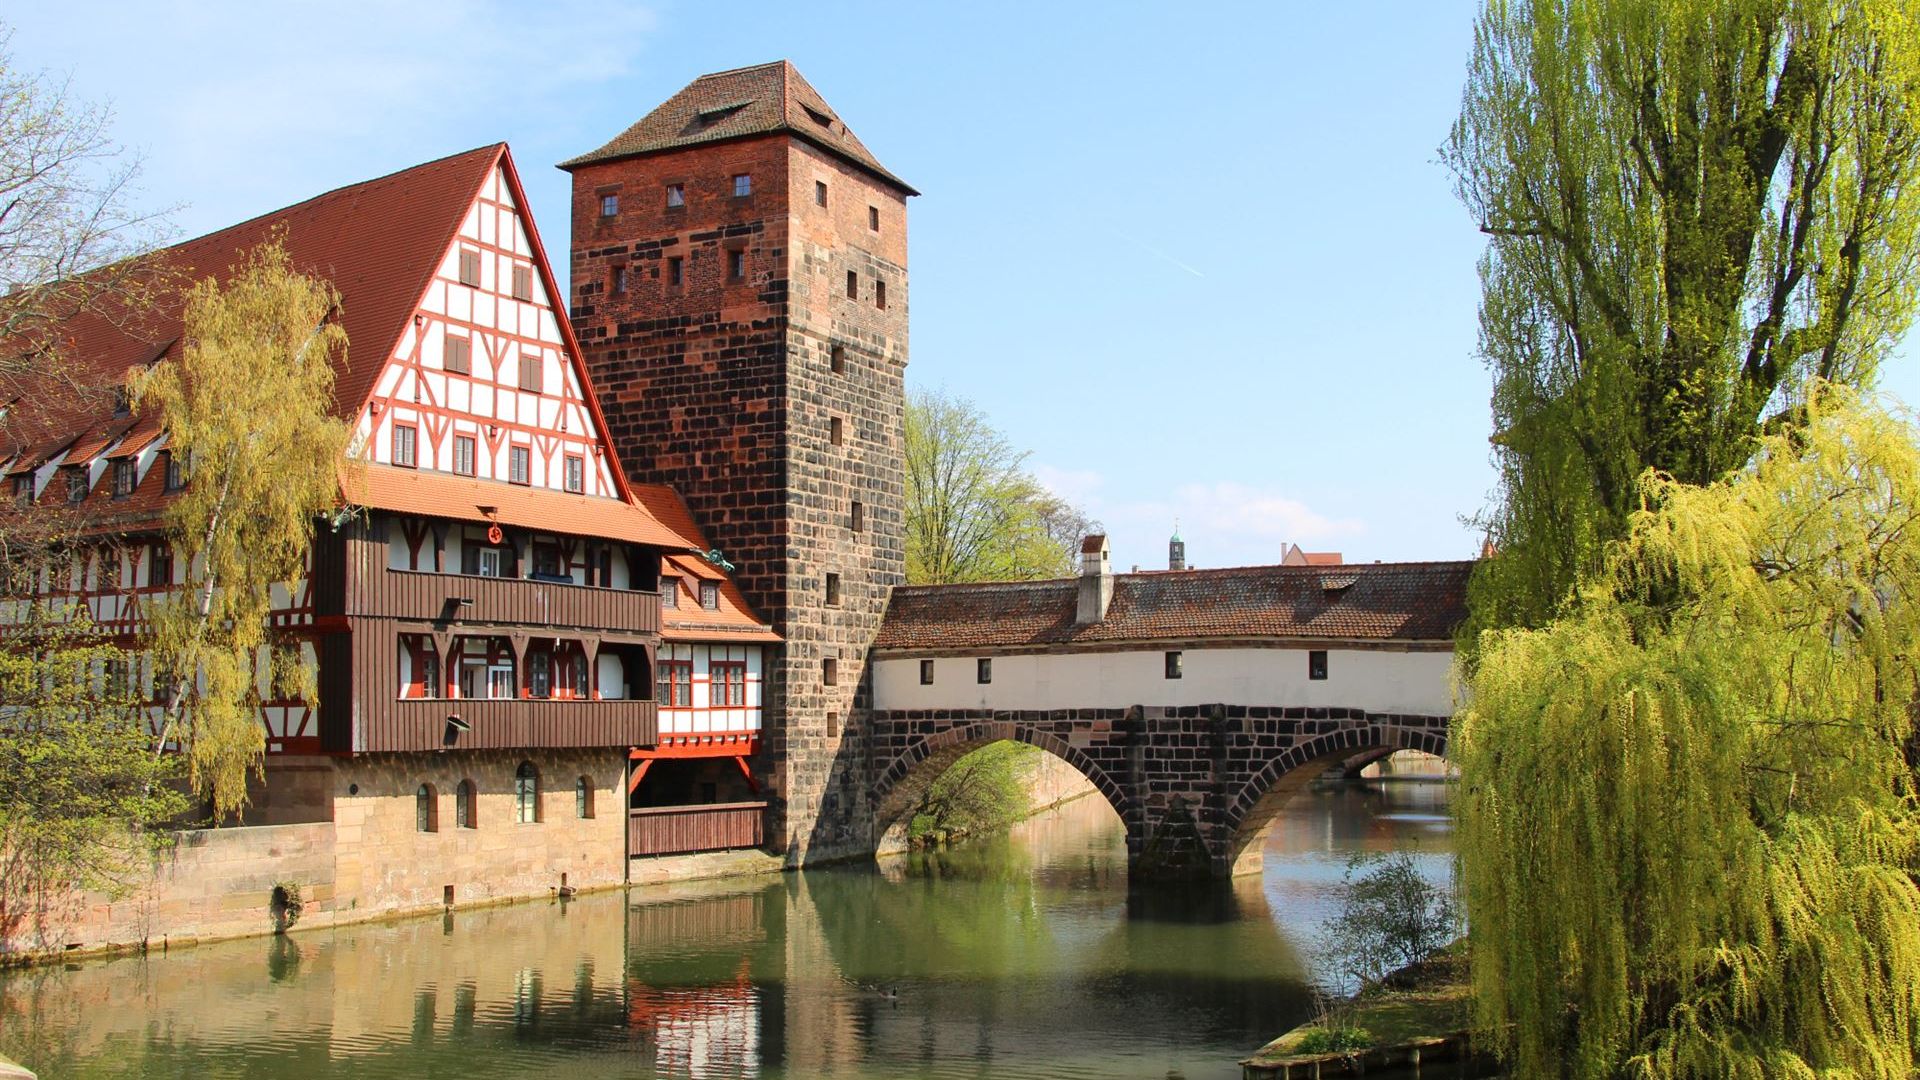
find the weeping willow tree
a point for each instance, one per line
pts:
(249, 405)
(1687, 825)
(1692, 206)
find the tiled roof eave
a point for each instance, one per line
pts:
(603, 155)
(1172, 641)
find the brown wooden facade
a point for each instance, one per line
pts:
(676, 830)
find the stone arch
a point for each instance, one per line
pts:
(908, 775)
(1252, 808)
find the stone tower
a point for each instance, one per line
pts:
(740, 293)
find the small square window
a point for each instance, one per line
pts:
(833, 590)
(926, 673)
(609, 205)
(1317, 664)
(576, 473)
(123, 477)
(736, 264)
(820, 192)
(858, 519)
(176, 472)
(837, 359)
(460, 355)
(676, 270)
(523, 283)
(830, 671)
(669, 591)
(403, 444)
(530, 372)
(676, 196)
(983, 670)
(853, 285)
(1173, 665)
(619, 283)
(836, 431)
(880, 295)
(469, 267)
(742, 185)
(519, 465)
(873, 218)
(710, 595)
(463, 448)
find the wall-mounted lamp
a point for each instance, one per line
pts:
(457, 724)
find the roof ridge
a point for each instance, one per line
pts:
(738, 70)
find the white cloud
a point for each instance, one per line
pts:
(1224, 523)
(1078, 486)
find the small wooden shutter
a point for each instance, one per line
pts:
(523, 283)
(530, 372)
(469, 267)
(460, 355)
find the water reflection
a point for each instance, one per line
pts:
(1027, 956)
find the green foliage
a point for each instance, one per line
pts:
(973, 511)
(250, 406)
(983, 791)
(1692, 207)
(1322, 1040)
(81, 791)
(1687, 823)
(1390, 916)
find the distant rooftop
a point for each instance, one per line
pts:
(744, 102)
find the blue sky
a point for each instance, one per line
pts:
(1201, 260)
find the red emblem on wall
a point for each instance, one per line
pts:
(494, 534)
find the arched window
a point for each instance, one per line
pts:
(426, 809)
(583, 798)
(526, 793)
(463, 806)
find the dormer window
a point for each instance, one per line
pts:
(710, 595)
(122, 402)
(123, 478)
(76, 483)
(23, 488)
(669, 591)
(176, 471)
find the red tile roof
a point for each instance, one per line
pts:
(737, 104)
(733, 621)
(464, 498)
(1370, 601)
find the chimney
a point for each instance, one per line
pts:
(1096, 581)
(1176, 550)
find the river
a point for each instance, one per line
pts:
(1025, 956)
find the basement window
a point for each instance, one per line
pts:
(983, 670)
(1317, 664)
(742, 185)
(926, 673)
(1173, 665)
(676, 196)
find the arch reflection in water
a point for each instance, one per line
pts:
(1028, 956)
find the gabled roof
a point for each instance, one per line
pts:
(735, 619)
(737, 104)
(465, 498)
(1402, 602)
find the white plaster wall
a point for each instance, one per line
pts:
(1375, 680)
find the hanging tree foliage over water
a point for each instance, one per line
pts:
(1688, 830)
(249, 405)
(1692, 206)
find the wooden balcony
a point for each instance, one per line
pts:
(679, 830)
(502, 723)
(429, 597)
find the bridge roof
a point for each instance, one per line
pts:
(1422, 601)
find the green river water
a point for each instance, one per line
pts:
(1027, 956)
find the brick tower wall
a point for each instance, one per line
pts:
(727, 391)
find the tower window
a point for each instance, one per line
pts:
(676, 270)
(830, 671)
(880, 295)
(576, 473)
(1173, 665)
(736, 263)
(1317, 664)
(983, 670)
(460, 355)
(742, 185)
(873, 218)
(833, 590)
(837, 359)
(609, 205)
(523, 283)
(926, 673)
(469, 267)
(836, 431)
(619, 283)
(857, 520)
(710, 595)
(676, 196)
(853, 285)
(403, 443)
(519, 465)
(463, 454)
(820, 192)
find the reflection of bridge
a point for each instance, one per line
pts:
(1196, 785)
